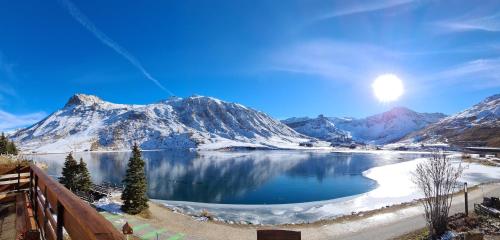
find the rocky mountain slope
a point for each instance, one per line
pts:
(382, 128)
(475, 126)
(321, 128)
(88, 123)
(388, 126)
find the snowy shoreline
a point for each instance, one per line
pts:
(394, 188)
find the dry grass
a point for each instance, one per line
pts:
(207, 214)
(9, 160)
(12, 161)
(4, 160)
(145, 214)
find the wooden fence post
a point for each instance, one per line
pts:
(466, 200)
(18, 170)
(31, 186)
(60, 221)
(34, 200)
(45, 206)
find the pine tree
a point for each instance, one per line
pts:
(69, 173)
(14, 149)
(134, 196)
(11, 148)
(3, 144)
(83, 180)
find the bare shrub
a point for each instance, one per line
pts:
(207, 214)
(436, 177)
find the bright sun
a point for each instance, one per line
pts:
(387, 88)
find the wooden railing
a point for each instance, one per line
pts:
(56, 208)
(13, 178)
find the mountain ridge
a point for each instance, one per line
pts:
(477, 125)
(87, 122)
(381, 128)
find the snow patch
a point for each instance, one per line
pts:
(108, 205)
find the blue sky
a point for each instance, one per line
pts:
(286, 58)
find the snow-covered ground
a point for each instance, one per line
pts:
(109, 205)
(394, 187)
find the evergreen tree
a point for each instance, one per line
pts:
(3, 144)
(134, 196)
(11, 148)
(69, 173)
(83, 180)
(14, 149)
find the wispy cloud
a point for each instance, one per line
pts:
(357, 7)
(357, 63)
(85, 22)
(7, 76)
(6, 89)
(474, 49)
(339, 61)
(7, 68)
(489, 23)
(480, 73)
(9, 122)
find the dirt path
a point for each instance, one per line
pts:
(387, 225)
(384, 224)
(393, 223)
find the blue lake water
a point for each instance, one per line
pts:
(253, 177)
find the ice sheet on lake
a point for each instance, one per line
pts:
(394, 187)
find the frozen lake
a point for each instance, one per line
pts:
(253, 177)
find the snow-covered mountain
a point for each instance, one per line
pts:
(321, 128)
(388, 126)
(478, 125)
(382, 128)
(88, 123)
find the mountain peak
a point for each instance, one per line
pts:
(83, 99)
(204, 98)
(189, 123)
(492, 98)
(400, 109)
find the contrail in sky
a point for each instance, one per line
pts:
(85, 22)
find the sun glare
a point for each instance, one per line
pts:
(387, 88)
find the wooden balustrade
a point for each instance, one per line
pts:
(13, 178)
(55, 208)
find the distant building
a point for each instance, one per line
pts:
(483, 151)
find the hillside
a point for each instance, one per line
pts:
(321, 128)
(87, 122)
(381, 128)
(478, 125)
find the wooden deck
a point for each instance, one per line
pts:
(16, 219)
(44, 209)
(7, 221)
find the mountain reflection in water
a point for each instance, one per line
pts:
(252, 177)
